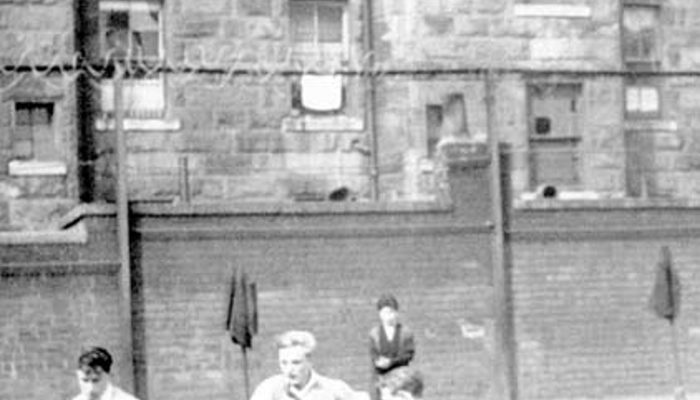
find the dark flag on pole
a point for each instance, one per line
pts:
(666, 295)
(242, 317)
(665, 301)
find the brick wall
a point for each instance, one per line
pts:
(326, 285)
(581, 286)
(57, 299)
(322, 272)
(581, 277)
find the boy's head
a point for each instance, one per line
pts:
(94, 366)
(294, 356)
(403, 384)
(388, 308)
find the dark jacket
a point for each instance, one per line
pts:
(399, 351)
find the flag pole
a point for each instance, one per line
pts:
(679, 392)
(246, 378)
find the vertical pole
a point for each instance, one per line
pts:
(679, 391)
(123, 231)
(184, 180)
(246, 375)
(371, 99)
(504, 350)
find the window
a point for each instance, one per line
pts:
(641, 100)
(555, 133)
(555, 110)
(142, 97)
(318, 28)
(132, 31)
(433, 121)
(640, 33)
(318, 93)
(319, 39)
(33, 135)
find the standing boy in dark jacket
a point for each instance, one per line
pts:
(391, 343)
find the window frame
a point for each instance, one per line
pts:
(566, 144)
(50, 127)
(535, 86)
(636, 61)
(318, 53)
(135, 5)
(640, 83)
(314, 47)
(137, 74)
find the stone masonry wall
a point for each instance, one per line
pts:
(244, 142)
(37, 33)
(58, 296)
(490, 33)
(241, 138)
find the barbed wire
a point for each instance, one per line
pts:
(228, 66)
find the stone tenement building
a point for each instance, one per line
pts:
(249, 105)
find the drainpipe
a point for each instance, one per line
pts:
(370, 98)
(84, 102)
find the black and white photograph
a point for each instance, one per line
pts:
(349, 199)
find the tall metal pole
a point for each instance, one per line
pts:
(123, 231)
(504, 350)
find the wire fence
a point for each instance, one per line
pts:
(267, 132)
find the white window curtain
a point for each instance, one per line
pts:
(322, 92)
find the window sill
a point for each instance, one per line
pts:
(651, 125)
(552, 10)
(311, 123)
(37, 168)
(137, 124)
(653, 3)
(77, 234)
(555, 139)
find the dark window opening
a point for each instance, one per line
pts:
(32, 137)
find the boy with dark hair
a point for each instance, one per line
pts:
(94, 378)
(391, 343)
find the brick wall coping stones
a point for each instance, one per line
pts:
(343, 230)
(58, 268)
(609, 219)
(244, 209)
(76, 214)
(75, 234)
(598, 204)
(317, 208)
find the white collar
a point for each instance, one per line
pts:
(108, 394)
(390, 331)
(300, 393)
